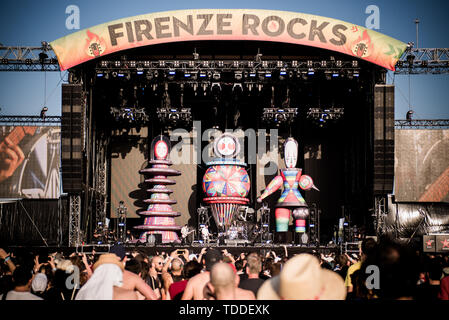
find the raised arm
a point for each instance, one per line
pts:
(273, 186)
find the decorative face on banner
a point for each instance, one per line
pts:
(161, 150)
(290, 153)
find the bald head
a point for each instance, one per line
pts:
(176, 265)
(222, 276)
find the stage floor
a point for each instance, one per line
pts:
(194, 248)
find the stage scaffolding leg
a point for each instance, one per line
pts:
(75, 220)
(380, 212)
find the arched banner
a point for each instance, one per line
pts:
(228, 24)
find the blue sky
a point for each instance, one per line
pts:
(34, 21)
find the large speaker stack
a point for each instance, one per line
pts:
(383, 139)
(72, 135)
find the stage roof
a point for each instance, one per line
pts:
(227, 24)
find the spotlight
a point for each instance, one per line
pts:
(355, 64)
(324, 64)
(171, 74)
(220, 64)
(280, 64)
(104, 64)
(338, 63)
(132, 64)
(238, 75)
(264, 64)
(146, 64)
(294, 63)
(235, 63)
(250, 64)
(176, 64)
(118, 64)
(161, 63)
(309, 63)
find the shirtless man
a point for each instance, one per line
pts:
(175, 274)
(195, 287)
(224, 283)
(132, 281)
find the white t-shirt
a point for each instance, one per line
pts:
(15, 295)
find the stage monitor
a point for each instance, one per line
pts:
(30, 162)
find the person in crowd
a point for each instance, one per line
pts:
(429, 290)
(367, 249)
(195, 286)
(132, 281)
(39, 285)
(302, 278)
(223, 284)
(22, 278)
(239, 267)
(342, 265)
(444, 289)
(253, 269)
(191, 269)
(106, 282)
(155, 276)
(175, 274)
(275, 269)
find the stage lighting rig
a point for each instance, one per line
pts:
(129, 116)
(322, 116)
(174, 115)
(279, 116)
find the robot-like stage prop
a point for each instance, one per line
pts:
(291, 200)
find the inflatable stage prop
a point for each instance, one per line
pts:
(226, 182)
(160, 215)
(291, 199)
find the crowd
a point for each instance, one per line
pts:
(383, 270)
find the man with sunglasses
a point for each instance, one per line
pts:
(155, 276)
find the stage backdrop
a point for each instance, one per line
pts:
(30, 162)
(422, 165)
(227, 24)
(129, 155)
